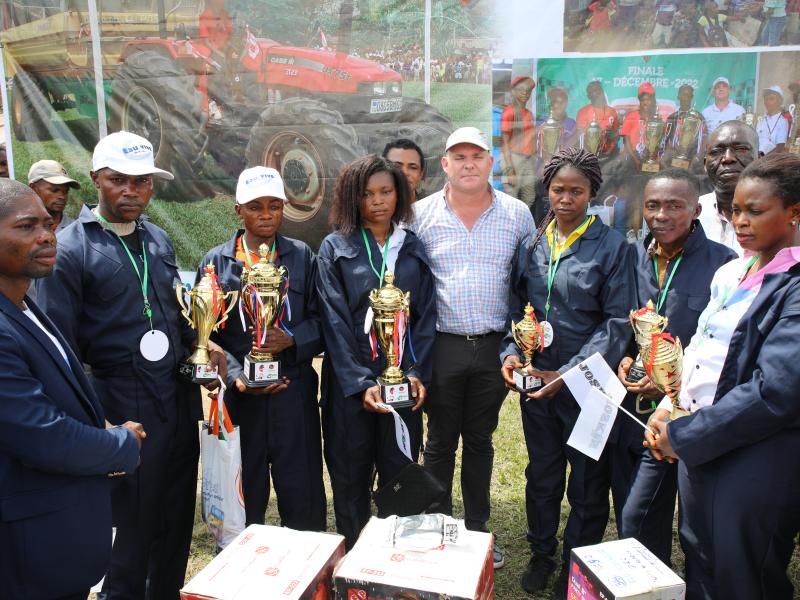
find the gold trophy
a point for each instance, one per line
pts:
(593, 137)
(551, 137)
(207, 309)
(687, 138)
(794, 138)
(653, 132)
(529, 338)
(645, 323)
(749, 117)
(663, 360)
(261, 300)
(390, 310)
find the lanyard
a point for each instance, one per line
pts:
(369, 255)
(662, 293)
(556, 247)
(142, 279)
(247, 252)
(727, 293)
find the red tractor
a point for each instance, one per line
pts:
(210, 112)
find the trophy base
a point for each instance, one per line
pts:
(635, 374)
(397, 395)
(680, 163)
(197, 373)
(651, 167)
(261, 373)
(677, 413)
(525, 382)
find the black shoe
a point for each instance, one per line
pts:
(560, 588)
(499, 556)
(537, 574)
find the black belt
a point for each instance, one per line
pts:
(472, 336)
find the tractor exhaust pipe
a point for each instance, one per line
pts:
(162, 20)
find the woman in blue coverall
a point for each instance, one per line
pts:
(371, 200)
(739, 450)
(578, 275)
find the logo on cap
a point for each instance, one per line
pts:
(258, 178)
(137, 152)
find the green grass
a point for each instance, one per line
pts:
(465, 104)
(508, 520)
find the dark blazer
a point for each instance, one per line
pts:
(344, 282)
(55, 455)
(757, 391)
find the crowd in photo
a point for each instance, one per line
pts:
(462, 66)
(99, 417)
(603, 25)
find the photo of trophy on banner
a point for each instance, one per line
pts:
(262, 299)
(529, 338)
(653, 134)
(687, 138)
(663, 361)
(207, 309)
(389, 330)
(593, 137)
(550, 137)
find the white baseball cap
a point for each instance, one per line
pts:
(773, 89)
(720, 80)
(52, 172)
(467, 135)
(126, 153)
(259, 182)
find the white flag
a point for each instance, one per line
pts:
(599, 393)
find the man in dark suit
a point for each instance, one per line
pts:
(57, 451)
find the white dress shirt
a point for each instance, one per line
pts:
(716, 116)
(716, 227)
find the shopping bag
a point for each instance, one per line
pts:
(221, 456)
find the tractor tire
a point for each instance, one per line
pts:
(308, 144)
(429, 129)
(155, 98)
(31, 113)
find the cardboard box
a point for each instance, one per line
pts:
(374, 570)
(621, 570)
(270, 562)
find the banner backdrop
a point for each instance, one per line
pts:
(306, 86)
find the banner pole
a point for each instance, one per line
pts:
(6, 112)
(97, 61)
(427, 51)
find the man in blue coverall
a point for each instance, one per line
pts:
(112, 294)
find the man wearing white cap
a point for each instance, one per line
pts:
(279, 424)
(112, 294)
(772, 127)
(49, 180)
(470, 232)
(722, 109)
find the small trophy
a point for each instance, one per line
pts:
(261, 300)
(749, 117)
(687, 138)
(663, 360)
(207, 309)
(390, 316)
(653, 132)
(551, 132)
(793, 144)
(529, 337)
(593, 137)
(645, 322)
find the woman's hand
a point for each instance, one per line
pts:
(510, 363)
(546, 377)
(272, 388)
(662, 441)
(661, 415)
(418, 391)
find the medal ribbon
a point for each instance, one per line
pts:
(369, 255)
(247, 252)
(556, 248)
(148, 312)
(662, 294)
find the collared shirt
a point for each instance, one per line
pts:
(523, 139)
(716, 226)
(654, 250)
(772, 130)
(472, 268)
(715, 116)
(65, 220)
(730, 300)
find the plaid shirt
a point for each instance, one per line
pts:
(472, 268)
